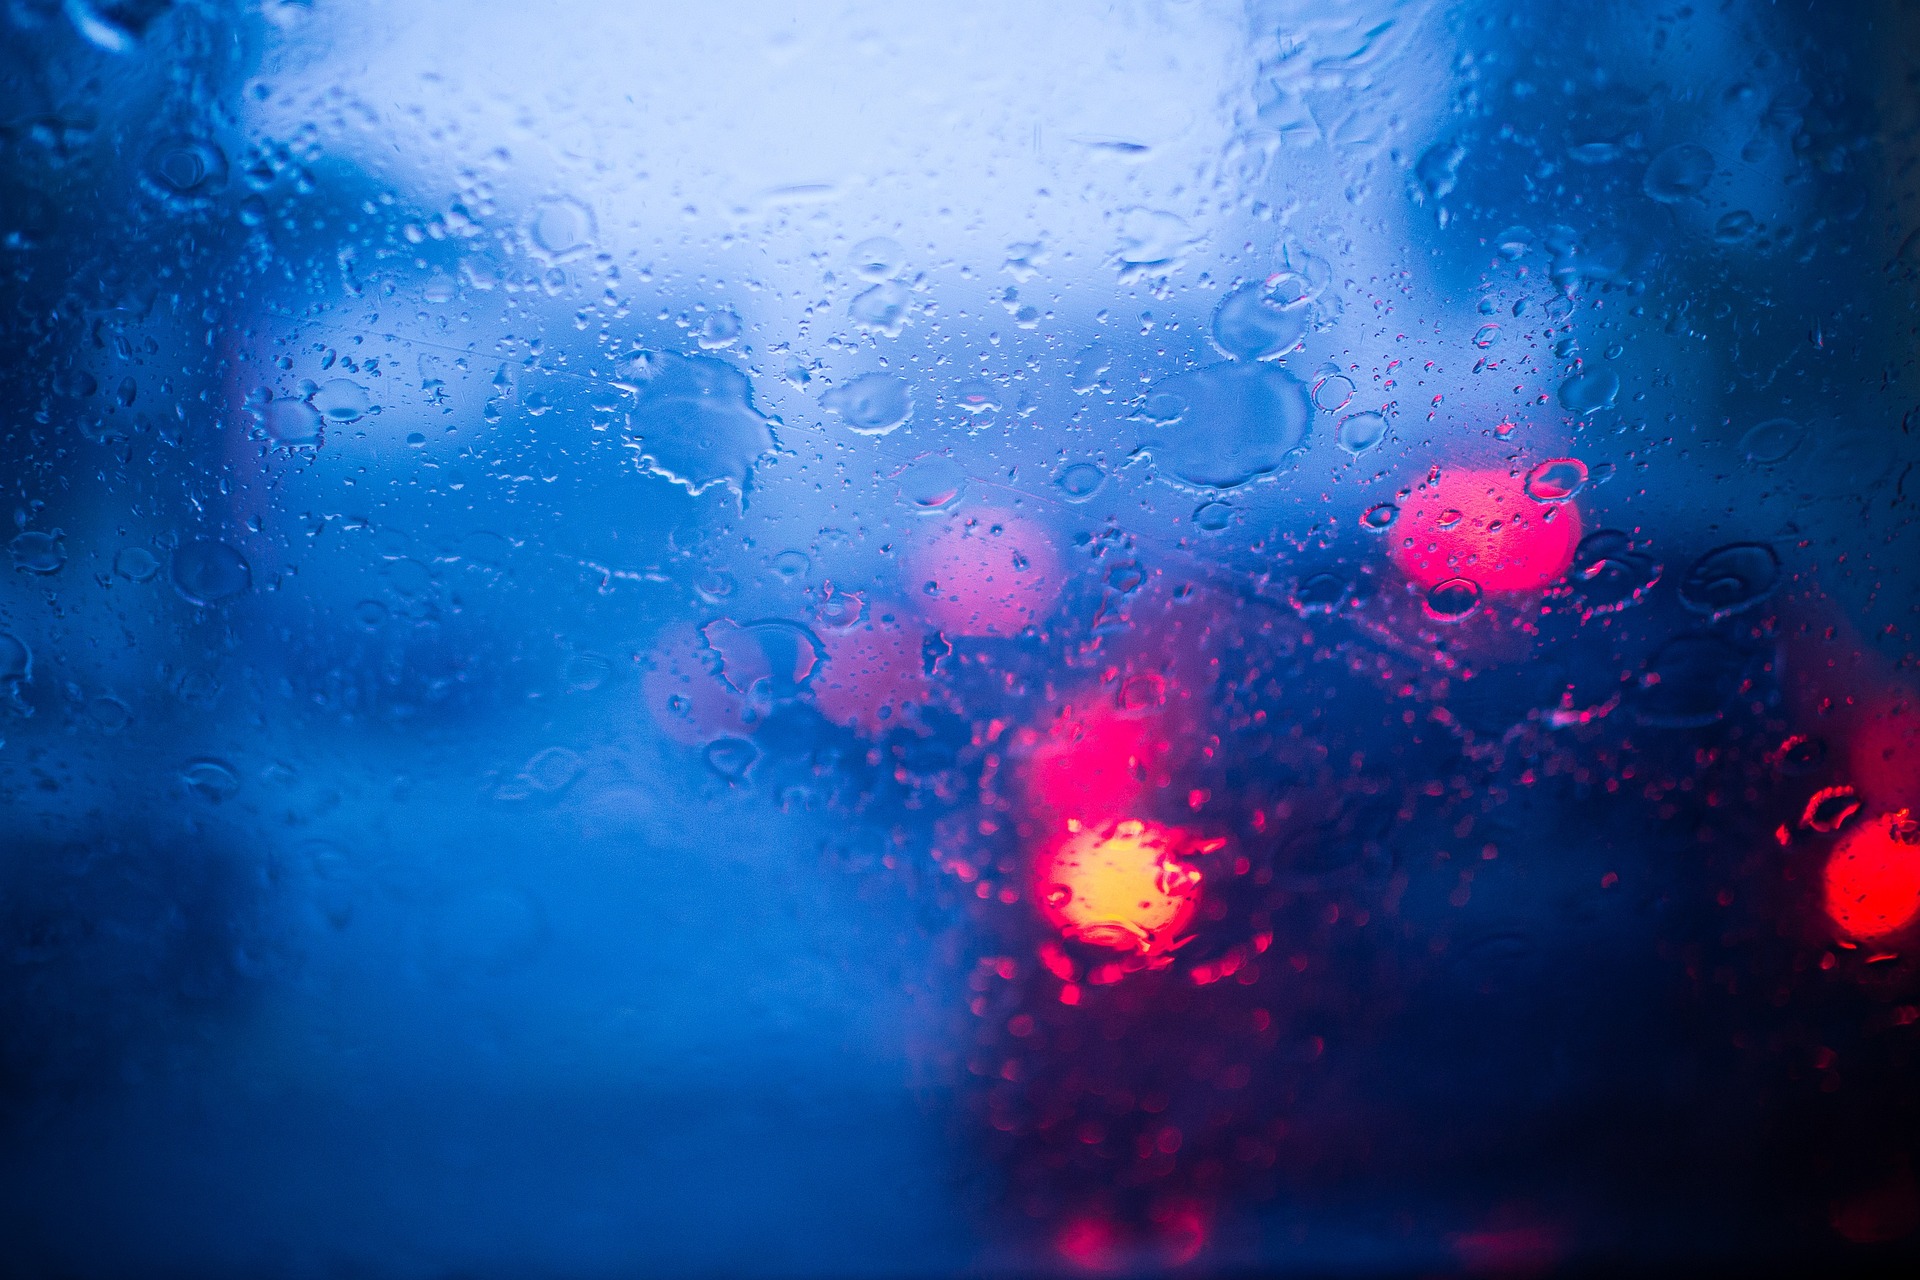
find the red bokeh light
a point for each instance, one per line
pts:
(1123, 886)
(1094, 767)
(684, 694)
(985, 573)
(872, 675)
(1873, 877)
(1482, 525)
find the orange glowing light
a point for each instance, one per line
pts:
(1122, 886)
(1873, 877)
(1481, 524)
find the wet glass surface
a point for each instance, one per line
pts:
(929, 640)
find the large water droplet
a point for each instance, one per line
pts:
(291, 422)
(553, 769)
(882, 308)
(135, 564)
(932, 484)
(1689, 682)
(1213, 516)
(1221, 426)
(562, 227)
(1250, 324)
(1731, 579)
(771, 659)
(37, 553)
(1679, 173)
(206, 572)
(1379, 517)
(1589, 391)
(877, 259)
(1771, 441)
(1609, 572)
(695, 423)
(182, 167)
(872, 404)
(731, 758)
(1453, 599)
(1556, 480)
(341, 400)
(1319, 593)
(1360, 432)
(1079, 481)
(213, 780)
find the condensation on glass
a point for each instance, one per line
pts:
(926, 639)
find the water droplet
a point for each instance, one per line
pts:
(109, 714)
(1733, 228)
(1688, 682)
(1438, 169)
(1771, 441)
(1590, 391)
(731, 758)
(1731, 579)
(1213, 516)
(1513, 244)
(1319, 593)
(562, 227)
(792, 565)
(1360, 432)
(291, 421)
(1678, 173)
(872, 404)
(186, 167)
(1486, 336)
(1250, 324)
(977, 396)
(931, 484)
(37, 553)
(1379, 517)
(206, 572)
(1609, 572)
(585, 672)
(838, 610)
(877, 259)
(772, 659)
(341, 400)
(211, 779)
(16, 660)
(1332, 392)
(1090, 367)
(1453, 599)
(553, 769)
(1828, 809)
(882, 308)
(1556, 480)
(1151, 241)
(1125, 577)
(1079, 481)
(1800, 755)
(695, 423)
(718, 328)
(1223, 425)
